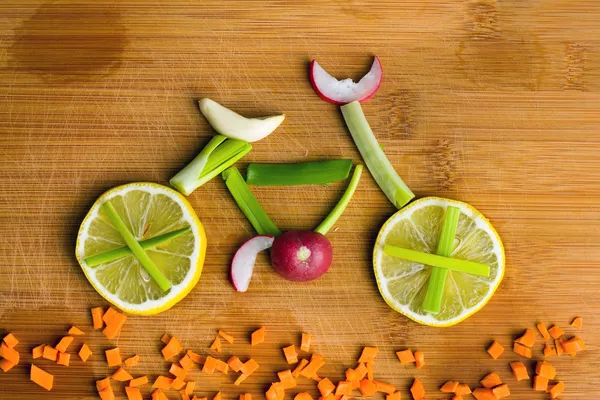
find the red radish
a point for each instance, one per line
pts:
(346, 90)
(301, 256)
(243, 260)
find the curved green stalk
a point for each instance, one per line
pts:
(307, 173)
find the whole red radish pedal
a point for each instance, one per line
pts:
(301, 255)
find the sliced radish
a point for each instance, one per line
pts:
(346, 90)
(243, 260)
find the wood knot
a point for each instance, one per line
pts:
(484, 14)
(443, 164)
(575, 63)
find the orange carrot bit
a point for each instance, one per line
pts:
(387, 388)
(178, 383)
(222, 366)
(556, 331)
(394, 396)
(217, 396)
(177, 371)
(84, 352)
(195, 357)
(216, 345)
(417, 390)
(106, 394)
(355, 384)
(122, 375)
(559, 347)
(542, 328)
(10, 354)
(306, 341)
(368, 388)
(185, 362)
(235, 363)
(162, 382)
(6, 365)
(139, 381)
(199, 398)
(97, 314)
(316, 362)
(545, 369)
(63, 359)
(495, 350)
(522, 350)
(286, 379)
(501, 391)
(113, 357)
(75, 331)
(189, 387)
(351, 374)
(406, 356)
(37, 351)
(462, 388)
(577, 323)
(50, 353)
(419, 359)
(528, 338)
(540, 383)
(184, 395)
(490, 381)
(132, 361)
(519, 370)
(326, 387)
(291, 356)
(165, 338)
(557, 390)
(343, 388)
(275, 392)
(549, 351)
(240, 379)
(330, 397)
(249, 367)
(573, 345)
(159, 395)
(171, 349)
(361, 371)
(108, 315)
(10, 340)
(228, 338)
(484, 394)
(457, 397)
(368, 354)
(64, 343)
(41, 377)
(133, 393)
(370, 370)
(449, 387)
(114, 325)
(258, 336)
(103, 384)
(301, 365)
(303, 396)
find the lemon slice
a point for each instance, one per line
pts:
(403, 284)
(148, 210)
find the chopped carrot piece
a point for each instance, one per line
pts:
(185, 362)
(286, 379)
(10, 354)
(228, 338)
(405, 356)
(159, 395)
(555, 331)
(189, 387)
(540, 383)
(557, 390)
(216, 345)
(177, 371)
(290, 354)
(139, 381)
(548, 351)
(368, 354)
(545, 369)
(449, 387)
(114, 325)
(316, 362)
(542, 328)
(361, 371)
(49, 353)
(495, 350)
(184, 395)
(417, 390)
(84, 352)
(249, 367)
(108, 315)
(367, 387)
(6, 365)
(581, 343)
(572, 346)
(351, 374)
(306, 341)
(63, 359)
(240, 379)
(501, 391)
(326, 387)
(41, 377)
(209, 365)
(10, 340)
(122, 375)
(178, 383)
(457, 397)
(165, 338)
(370, 370)
(275, 392)
(195, 357)
(490, 381)
(258, 336)
(522, 350)
(301, 365)
(577, 323)
(394, 396)
(162, 382)
(303, 396)
(199, 398)
(519, 370)
(103, 384)
(106, 394)
(235, 363)
(133, 393)
(132, 361)
(528, 338)
(343, 388)
(559, 347)
(64, 343)
(222, 366)
(355, 384)
(37, 351)
(171, 349)
(75, 331)
(217, 396)
(97, 314)
(462, 388)
(385, 387)
(113, 357)
(419, 359)
(484, 394)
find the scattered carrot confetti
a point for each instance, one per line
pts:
(555, 331)
(542, 328)
(103, 384)
(50, 353)
(106, 394)
(501, 391)
(165, 338)
(545, 369)
(222, 366)
(549, 351)
(139, 381)
(122, 375)
(305, 342)
(361, 371)
(6, 365)
(573, 345)
(291, 356)
(286, 379)
(540, 383)
(258, 336)
(159, 395)
(97, 314)
(405, 356)
(240, 379)
(396, 396)
(522, 350)
(189, 387)
(449, 387)
(383, 387)
(209, 365)
(528, 338)
(41, 377)
(559, 347)
(228, 338)
(484, 394)
(217, 396)
(235, 363)
(114, 325)
(186, 362)
(75, 331)
(171, 349)
(64, 344)
(275, 392)
(37, 351)
(557, 390)
(462, 388)
(178, 383)
(417, 390)
(249, 367)
(419, 359)
(490, 381)
(343, 388)
(495, 350)
(316, 362)
(132, 361)
(577, 323)
(133, 393)
(84, 352)
(113, 357)
(301, 365)
(10, 340)
(63, 359)
(108, 315)
(519, 370)
(370, 371)
(368, 354)
(303, 396)
(162, 382)
(326, 387)
(195, 357)
(216, 345)
(367, 387)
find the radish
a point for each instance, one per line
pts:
(345, 91)
(243, 260)
(301, 255)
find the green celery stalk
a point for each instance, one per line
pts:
(339, 208)
(437, 280)
(249, 205)
(434, 260)
(219, 154)
(136, 248)
(124, 251)
(308, 173)
(380, 167)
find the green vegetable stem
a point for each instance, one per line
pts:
(434, 260)
(308, 173)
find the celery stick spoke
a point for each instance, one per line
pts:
(308, 173)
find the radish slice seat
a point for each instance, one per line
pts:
(345, 91)
(244, 259)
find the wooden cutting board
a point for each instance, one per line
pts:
(495, 103)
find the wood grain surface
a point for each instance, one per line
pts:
(496, 103)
